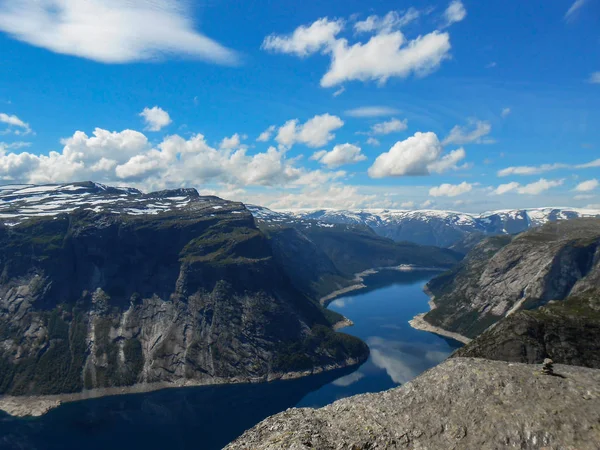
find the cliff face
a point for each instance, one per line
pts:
(462, 403)
(503, 275)
(566, 331)
(161, 287)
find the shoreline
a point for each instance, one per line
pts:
(359, 279)
(419, 323)
(38, 405)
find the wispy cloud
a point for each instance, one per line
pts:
(371, 111)
(535, 170)
(111, 31)
(574, 9)
(595, 78)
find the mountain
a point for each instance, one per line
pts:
(322, 257)
(461, 404)
(103, 287)
(527, 297)
(444, 228)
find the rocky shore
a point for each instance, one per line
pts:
(463, 403)
(38, 405)
(419, 323)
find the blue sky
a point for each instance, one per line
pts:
(454, 105)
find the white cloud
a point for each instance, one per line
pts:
(339, 156)
(265, 136)
(534, 170)
(13, 121)
(455, 12)
(316, 132)
(409, 205)
(539, 186)
(373, 141)
(231, 143)
(461, 135)
(530, 170)
(391, 21)
(111, 31)
(448, 162)
(506, 188)
(451, 190)
(534, 188)
(391, 126)
(155, 118)
(305, 40)
(128, 156)
(595, 78)
(575, 7)
(505, 113)
(491, 65)
(371, 111)
(417, 155)
(386, 54)
(587, 186)
(13, 145)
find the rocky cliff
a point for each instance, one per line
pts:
(504, 275)
(103, 287)
(461, 404)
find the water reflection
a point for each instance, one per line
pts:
(203, 418)
(403, 361)
(399, 353)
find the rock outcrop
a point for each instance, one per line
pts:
(461, 404)
(103, 287)
(504, 275)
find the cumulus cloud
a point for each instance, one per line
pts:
(373, 141)
(451, 190)
(231, 143)
(22, 128)
(574, 9)
(371, 111)
(305, 40)
(534, 188)
(587, 186)
(455, 12)
(535, 170)
(391, 126)
(316, 132)
(155, 118)
(420, 154)
(474, 133)
(265, 136)
(340, 155)
(111, 31)
(128, 156)
(387, 53)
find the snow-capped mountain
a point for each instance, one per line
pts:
(21, 202)
(444, 228)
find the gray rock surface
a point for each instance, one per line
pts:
(503, 275)
(461, 404)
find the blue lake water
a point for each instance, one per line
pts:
(207, 418)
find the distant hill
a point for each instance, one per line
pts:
(444, 228)
(527, 297)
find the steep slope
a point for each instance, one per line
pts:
(566, 331)
(445, 228)
(461, 404)
(502, 276)
(321, 257)
(104, 287)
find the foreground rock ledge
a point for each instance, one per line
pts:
(463, 403)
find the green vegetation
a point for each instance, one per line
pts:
(321, 346)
